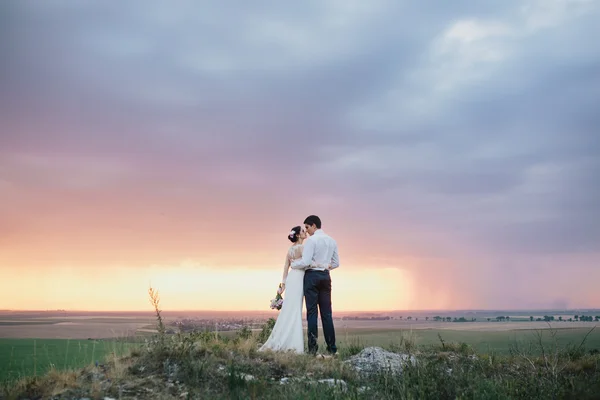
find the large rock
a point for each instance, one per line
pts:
(374, 360)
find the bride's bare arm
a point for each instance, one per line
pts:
(286, 268)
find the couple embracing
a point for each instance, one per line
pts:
(306, 272)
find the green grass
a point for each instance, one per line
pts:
(498, 342)
(30, 357)
(450, 364)
(201, 365)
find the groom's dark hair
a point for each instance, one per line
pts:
(313, 220)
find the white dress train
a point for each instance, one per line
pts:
(287, 333)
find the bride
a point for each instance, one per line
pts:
(287, 333)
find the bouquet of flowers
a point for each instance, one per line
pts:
(277, 302)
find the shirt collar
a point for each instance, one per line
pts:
(318, 232)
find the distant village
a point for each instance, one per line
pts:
(213, 324)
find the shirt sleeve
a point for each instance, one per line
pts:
(307, 255)
(335, 258)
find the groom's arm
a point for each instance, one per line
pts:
(307, 255)
(335, 258)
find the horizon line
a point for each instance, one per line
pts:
(341, 311)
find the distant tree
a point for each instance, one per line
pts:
(437, 318)
(531, 318)
(448, 319)
(560, 318)
(400, 318)
(500, 318)
(417, 318)
(576, 317)
(570, 319)
(489, 319)
(507, 318)
(409, 318)
(426, 318)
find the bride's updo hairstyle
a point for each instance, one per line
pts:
(294, 233)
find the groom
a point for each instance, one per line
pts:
(319, 253)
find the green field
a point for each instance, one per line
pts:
(27, 357)
(499, 342)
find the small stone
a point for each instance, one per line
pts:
(334, 382)
(288, 379)
(247, 377)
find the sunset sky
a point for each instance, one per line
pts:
(452, 148)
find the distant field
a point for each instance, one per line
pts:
(32, 344)
(477, 326)
(71, 328)
(483, 341)
(26, 357)
(23, 357)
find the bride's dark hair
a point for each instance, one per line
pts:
(294, 233)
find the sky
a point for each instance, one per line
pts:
(452, 149)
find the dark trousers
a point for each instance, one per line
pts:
(317, 293)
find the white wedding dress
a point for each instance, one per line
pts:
(287, 333)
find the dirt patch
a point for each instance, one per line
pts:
(72, 330)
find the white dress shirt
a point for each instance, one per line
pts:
(319, 251)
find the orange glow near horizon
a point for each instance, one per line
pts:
(192, 287)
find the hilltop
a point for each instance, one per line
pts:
(212, 365)
(208, 365)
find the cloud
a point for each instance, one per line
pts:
(466, 138)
